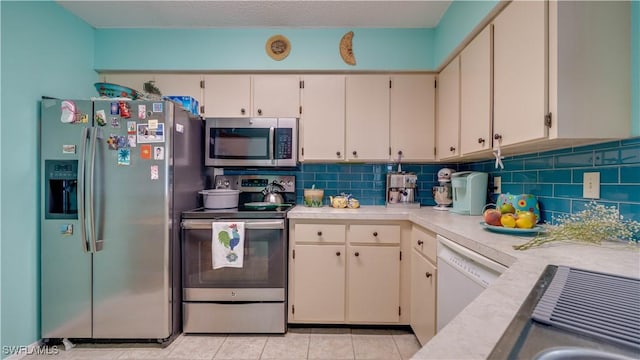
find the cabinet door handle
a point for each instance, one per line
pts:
(400, 152)
(242, 111)
(259, 111)
(452, 149)
(338, 153)
(337, 253)
(355, 153)
(420, 242)
(319, 233)
(356, 253)
(375, 233)
(480, 141)
(428, 274)
(497, 137)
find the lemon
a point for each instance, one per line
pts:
(508, 220)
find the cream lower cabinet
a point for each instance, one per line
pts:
(423, 284)
(373, 279)
(317, 273)
(345, 273)
(374, 284)
(320, 283)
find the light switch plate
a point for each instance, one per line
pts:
(591, 185)
(497, 184)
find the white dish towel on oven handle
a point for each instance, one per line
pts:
(227, 244)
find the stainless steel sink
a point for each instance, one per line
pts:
(548, 327)
(578, 353)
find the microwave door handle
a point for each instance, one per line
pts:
(272, 143)
(81, 191)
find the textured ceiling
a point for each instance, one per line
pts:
(258, 14)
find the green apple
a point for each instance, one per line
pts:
(507, 208)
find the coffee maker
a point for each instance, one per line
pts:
(401, 189)
(442, 193)
(469, 192)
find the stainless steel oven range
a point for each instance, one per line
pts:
(250, 299)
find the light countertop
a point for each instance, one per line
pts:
(475, 331)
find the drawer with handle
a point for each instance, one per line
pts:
(374, 234)
(320, 233)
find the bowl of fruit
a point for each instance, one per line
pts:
(506, 219)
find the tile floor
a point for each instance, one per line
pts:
(318, 343)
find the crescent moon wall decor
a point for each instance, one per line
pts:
(346, 48)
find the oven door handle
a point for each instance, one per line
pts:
(248, 225)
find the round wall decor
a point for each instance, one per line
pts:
(278, 47)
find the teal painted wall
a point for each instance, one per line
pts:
(635, 67)
(456, 23)
(45, 51)
(53, 53)
(244, 49)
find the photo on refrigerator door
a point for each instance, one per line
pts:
(147, 134)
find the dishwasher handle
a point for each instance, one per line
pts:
(495, 266)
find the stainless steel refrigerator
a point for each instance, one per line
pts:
(116, 176)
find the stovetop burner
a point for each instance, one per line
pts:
(250, 187)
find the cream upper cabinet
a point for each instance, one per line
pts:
(367, 117)
(179, 85)
(322, 125)
(412, 119)
(423, 297)
(520, 73)
(561, 73)
(227, 96)
(475, 94)
(276, 95)
(448, 119)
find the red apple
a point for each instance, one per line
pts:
(492, 217)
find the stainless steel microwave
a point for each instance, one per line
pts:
(251, 142)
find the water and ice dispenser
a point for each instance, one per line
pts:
(61, 189)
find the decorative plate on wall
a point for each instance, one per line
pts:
(278, 47)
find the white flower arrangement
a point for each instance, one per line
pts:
(594, 224)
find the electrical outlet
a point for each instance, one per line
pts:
(497, 184)
(591, 185)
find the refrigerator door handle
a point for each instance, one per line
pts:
(81, 188)
(92, 168)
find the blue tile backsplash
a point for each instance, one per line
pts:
(558, 184)
(555, 177)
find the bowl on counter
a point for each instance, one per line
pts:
(313, 197)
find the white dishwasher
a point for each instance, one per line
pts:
(462, 276)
